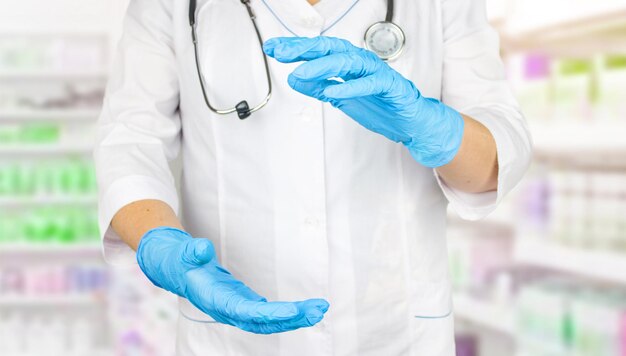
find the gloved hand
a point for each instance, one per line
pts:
(373, 94)
(187, 266)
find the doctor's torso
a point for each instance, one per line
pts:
(299, 199)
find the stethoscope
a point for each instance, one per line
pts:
(384, 38)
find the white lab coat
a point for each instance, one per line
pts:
(300, 200)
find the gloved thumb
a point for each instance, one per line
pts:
(198, 252)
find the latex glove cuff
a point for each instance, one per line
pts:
(440, 142)
(160, 237)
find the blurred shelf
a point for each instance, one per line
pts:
(38, 33)
(98, 352)
(601, 265)
(49, 200)
(50, 114)
(30, 149)
(599, 145)
(484, 314)
(590, 26)
(83, 248)
(49, 301)
(51, 74)
(562, 136)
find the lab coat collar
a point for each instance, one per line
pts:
(300, 18)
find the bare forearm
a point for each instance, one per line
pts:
(475, 167)
(135, 219)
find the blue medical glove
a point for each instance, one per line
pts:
(373, 94)
(187, 266)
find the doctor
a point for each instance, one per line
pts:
(316, 226)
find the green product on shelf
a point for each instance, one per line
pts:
(72, 176)
(32, 133)
(615, 62)
(568, 330)
(9, 134)
(5, 137)
(5, 181)
(45, 176)
(39, 133)
(575, 66)
(94, 227)
(13, 178)
(613, 87)
(80, 227)
(562, 317)
(573, 89)
(68, 177)
(63, 225)
(31, 227)
(27, 179)
(67, 223)
(9, 229)
(88, 178)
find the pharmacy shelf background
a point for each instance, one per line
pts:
(57, 296)
(546, 273)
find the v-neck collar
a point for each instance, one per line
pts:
(300, 18)
(326, 8)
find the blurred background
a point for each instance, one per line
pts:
(544, 275)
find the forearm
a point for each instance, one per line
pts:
(475, 167)
(135, 219)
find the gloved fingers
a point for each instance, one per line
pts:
(229, 301)
(310, 313)
(366, 86)
(313, 310)
(247, 311)
(296, 49)
(248, 293)
(197, 252)
(241, 310)
(314, 89)
(303, 322)
(343, 65)
(235, 301)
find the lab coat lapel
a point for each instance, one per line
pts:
(299, 18)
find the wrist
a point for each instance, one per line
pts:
(439, 142)
(160, 247)
(166, 231)
(163, 235)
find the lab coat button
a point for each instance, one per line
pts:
(311, 22)
(312, 222)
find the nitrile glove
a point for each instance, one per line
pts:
(373, 94)
(187, 266)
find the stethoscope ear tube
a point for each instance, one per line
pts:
(192, 12)
(389, 16)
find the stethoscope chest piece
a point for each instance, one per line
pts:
(386, 39)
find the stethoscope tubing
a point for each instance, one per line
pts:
(244, 113)
(194, 36)
(389, 15)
